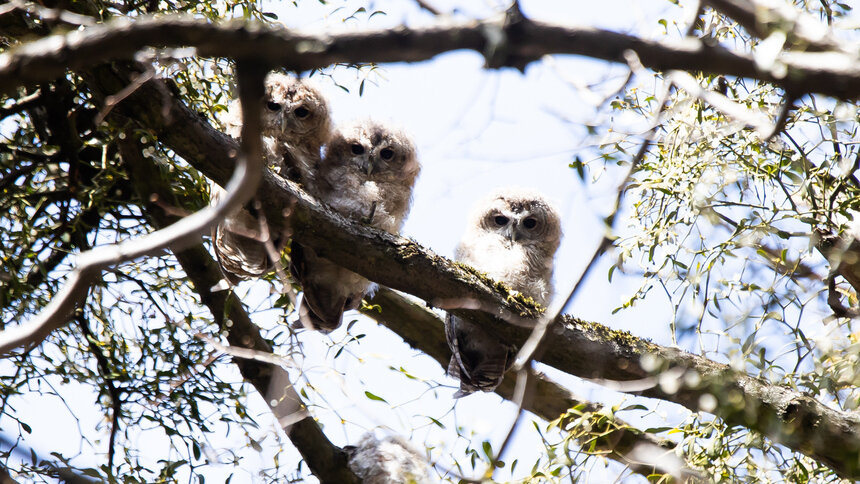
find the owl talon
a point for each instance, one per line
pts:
(369, 219)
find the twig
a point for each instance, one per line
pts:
(275, 257)
(430, 8)
(113, 391)
(761, 123)
(112, 101)
(47, 14)
(527, 351)
(248, 353)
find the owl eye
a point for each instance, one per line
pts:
(302, 112)
(501, 220)
(273, 106)
(529, 223)
(357, 149)
(387, 154)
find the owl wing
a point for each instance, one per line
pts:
(477, 360)
(240, 257)
(328, 289)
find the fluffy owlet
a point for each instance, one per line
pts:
(296, 123)
(512, 237)
(390, 460)
(367, 175)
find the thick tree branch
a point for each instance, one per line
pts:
(327, 461)
(420, 327)
(835, 73)
(787, 416)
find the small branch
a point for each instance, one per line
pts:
(49, 15)
(754, 119)
(113, 391)
(428, 7)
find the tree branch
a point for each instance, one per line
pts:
(835, 73)
(762, 18)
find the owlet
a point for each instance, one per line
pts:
(367, 175)
(296, 123)
(512, 237)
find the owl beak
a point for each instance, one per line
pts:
(369, 167)
(514, 232)
(283, 124)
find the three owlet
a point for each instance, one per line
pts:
(367, 175)
(512, 237)
(296, 124)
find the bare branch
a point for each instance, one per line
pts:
(835, 73)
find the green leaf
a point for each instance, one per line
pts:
(91, 472)
(374, 397)
(488, 450)
(438, 423)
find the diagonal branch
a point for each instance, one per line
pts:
(835, 72)
(418, 326)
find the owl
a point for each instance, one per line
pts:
(296, 124)
(512, 237)
(390, 460)
(367, 175)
